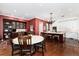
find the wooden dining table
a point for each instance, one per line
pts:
(60, 34)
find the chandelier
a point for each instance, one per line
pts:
(51, 21)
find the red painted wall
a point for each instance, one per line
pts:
(1, 27)
(27, 26)
(35, 22)
(37, 26)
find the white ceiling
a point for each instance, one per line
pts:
(41, 10)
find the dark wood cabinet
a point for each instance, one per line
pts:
(11, 26)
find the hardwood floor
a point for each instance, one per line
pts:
(68, 48)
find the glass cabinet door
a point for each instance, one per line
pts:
(24, 25)
(18, 25)
(14, 25)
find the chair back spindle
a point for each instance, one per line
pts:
(25, 41)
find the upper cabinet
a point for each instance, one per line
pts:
(12, 26)
(8, 25)
(18, 25)
(22, 25)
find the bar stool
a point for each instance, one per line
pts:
(56, 37)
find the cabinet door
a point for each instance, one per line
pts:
(7, 29)
(23, 25)
(18, 25)
(7, 26)
(14, 25)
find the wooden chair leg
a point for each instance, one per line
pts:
(42, 50)
(44, 45)
(21, 53)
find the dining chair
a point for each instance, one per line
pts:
(49, 36)
(26, 46)
(41, 46)
(16, 49)
(56, 37)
